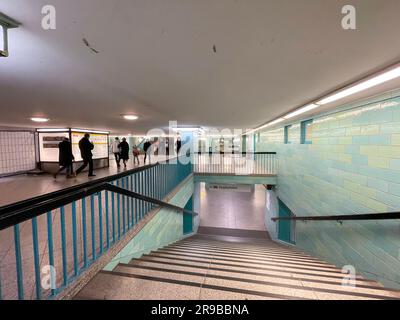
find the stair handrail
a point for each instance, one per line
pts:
(346, 217)
(11, 218)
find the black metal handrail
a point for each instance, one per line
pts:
(70, 190)
(36, 209)
(233, 152)
(367, 216)
(64, 192)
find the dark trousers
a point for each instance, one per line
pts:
(117, 158)
(88, 161)
(147, 153)
(69, 168)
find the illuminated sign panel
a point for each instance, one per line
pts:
(50, 138)
(100, 142)
(48, 144)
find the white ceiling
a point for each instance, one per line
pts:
(156, 59)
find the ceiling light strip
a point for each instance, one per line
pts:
(385, 76)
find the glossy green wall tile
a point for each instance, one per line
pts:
(351, 167)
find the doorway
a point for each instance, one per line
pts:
(286, 228)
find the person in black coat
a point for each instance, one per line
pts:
(86, 148)
(65, 158)
(178, 145)
(124, 147)
(147, 150)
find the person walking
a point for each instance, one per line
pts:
(124, 147)
(116, 151)
(136, 152)
(178, 145)
(147, 150)
(86, 147)
(167, 147)
(65, 158)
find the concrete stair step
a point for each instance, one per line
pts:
(230, 239)
(316, 276)
(246, 265)
(130, 286)
(248, 262)
(265, 250)
(318, 285)
(201, 280)
(247, 248)
(113, 286)
(211, 279)
(266, 257)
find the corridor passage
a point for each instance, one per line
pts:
(233, 209)
(212, 266)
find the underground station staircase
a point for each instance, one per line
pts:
(224, 265)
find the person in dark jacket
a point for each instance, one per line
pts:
(147, 150)
(178, 145)
(86, 148)
(65, 158)
(124, 147)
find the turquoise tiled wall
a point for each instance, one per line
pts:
(352, 166)
(165, 228)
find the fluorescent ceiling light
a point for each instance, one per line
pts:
(220, 135)
(384, 77)
(270, 124)
(53, 130)
(361, 86)
(130, 117)
(37, 119)
(275, 121)
(264, 126)
(301, 110)
(248, 132)
(90, 131)
(188, 129)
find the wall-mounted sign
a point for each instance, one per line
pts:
(229, 187)
(100, 142)
(50, 138)
(48, 145)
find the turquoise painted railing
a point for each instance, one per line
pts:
(243, 163)
(45, 251)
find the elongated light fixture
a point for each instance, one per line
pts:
(89, 131)
(130, 117)
(38, 119)
(362, 85)
(301, 110)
